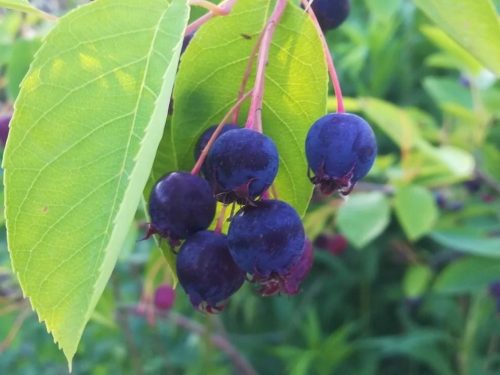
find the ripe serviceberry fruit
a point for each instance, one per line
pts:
(4, 129)
(266, 240)
(288, 283)
(340, 150)
(180, 205)
(164, 297)
(330, 13)
(203, 141)
(243, 164)
(207, 272)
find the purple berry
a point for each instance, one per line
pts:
(266, 240)
(288, 283)
(207, 272)
(330, 13)
(299, 271)
(164, 297)
(4, 129)
(494, 289)
(340, 150)
(243, 164)
(336, 244)
(180, 205)
(203, 141)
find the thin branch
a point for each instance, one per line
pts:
(14, 330)
(246, 75)
(226, 7)
(215, 9)
(197, 167)
(328, 56)
(240, 363)
(254, 120)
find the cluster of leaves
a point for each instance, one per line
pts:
(410, 294)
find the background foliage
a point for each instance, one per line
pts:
(410, 294)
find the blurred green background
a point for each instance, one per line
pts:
(406, 275)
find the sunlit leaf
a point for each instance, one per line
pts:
(364, 217)
(472, 23)
(212, 70)
(86, 126)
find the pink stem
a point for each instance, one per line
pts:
(224, 6)
(197, 167)
(220, 219)
(254, 120)
(328, 57)
(246, 75)
(215, 9)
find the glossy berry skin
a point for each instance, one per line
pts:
(289, 282)
(205, 138)
(266, 239)
(164, 297)
(207, 272)
(331, 13)
(180, 205)
(340, 150)
(4, 129)
(243, 164)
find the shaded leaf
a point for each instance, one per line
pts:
(24, 6)
(472, 243)
(416, 280)
(467, 275)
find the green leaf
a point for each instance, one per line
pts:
(20, 60)
(467, 275)
(211, 72)
(316, 220)
(364, 217)
(416, 280)
(24, 6)
(85, 130)
(395, 122)
(461, 57)
(473, 24)
(416, 210)
(468, 242)
(435, 166)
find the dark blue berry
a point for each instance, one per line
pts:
(180, 205)
(243, 164)
(164, 297)
(330, 13)
(207, 272)
(290, 284)
(4, 128)
(203, 141)
(266, 239)
(340, 150)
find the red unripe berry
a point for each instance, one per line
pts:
(164, 297)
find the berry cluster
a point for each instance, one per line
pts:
(265, 243)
